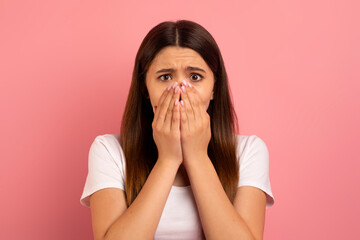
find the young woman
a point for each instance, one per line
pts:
(178, 169)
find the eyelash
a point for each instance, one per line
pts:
(201, 77)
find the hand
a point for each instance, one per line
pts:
(166, 126)
(195, 128)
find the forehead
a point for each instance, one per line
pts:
(174, 56)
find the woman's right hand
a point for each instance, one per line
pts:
(166, 126)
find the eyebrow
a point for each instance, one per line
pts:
(187, 69)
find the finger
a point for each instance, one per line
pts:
(184, 123)
(187, 105)
(175, 124)
(169, 113)
(162, 97)
(200, 109)
(162, 109)
(195, 101)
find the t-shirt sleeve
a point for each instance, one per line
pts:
(254, 167)
(105, 167)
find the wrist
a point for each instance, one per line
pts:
(194, 160)
(171, 163)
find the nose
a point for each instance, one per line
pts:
(180, 82)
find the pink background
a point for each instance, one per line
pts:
(65, 69)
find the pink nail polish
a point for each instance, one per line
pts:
(185, 83)
(190, 85)
(176, 89)
(169, 87)
(182, 103)
(176, 102)
(183, 89)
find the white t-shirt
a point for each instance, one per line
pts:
(180, 217)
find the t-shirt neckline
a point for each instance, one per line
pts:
(182, 188)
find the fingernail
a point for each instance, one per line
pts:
(183, 89)
(175, 84)
(184, 83)
(176, 89)
(182, 103)
(190, 85)
(176, 102)
(169, 87)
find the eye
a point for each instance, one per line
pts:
(198, 77)
(165, 77)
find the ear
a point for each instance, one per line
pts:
(212, 95)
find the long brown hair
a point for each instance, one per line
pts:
(136, 136)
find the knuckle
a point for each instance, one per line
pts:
(161, 116)
(158, 128)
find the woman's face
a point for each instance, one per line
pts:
(176, 64)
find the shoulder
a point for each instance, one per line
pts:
(249, 145)
(110, 141)
(253, 157)
(109, 145)
(106, 166)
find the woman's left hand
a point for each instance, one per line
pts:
(195, 131)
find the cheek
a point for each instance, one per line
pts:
(205, 98)
(155, 97)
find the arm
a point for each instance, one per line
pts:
(140, 220)
(219, 218)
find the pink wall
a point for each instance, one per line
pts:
(65, 71)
